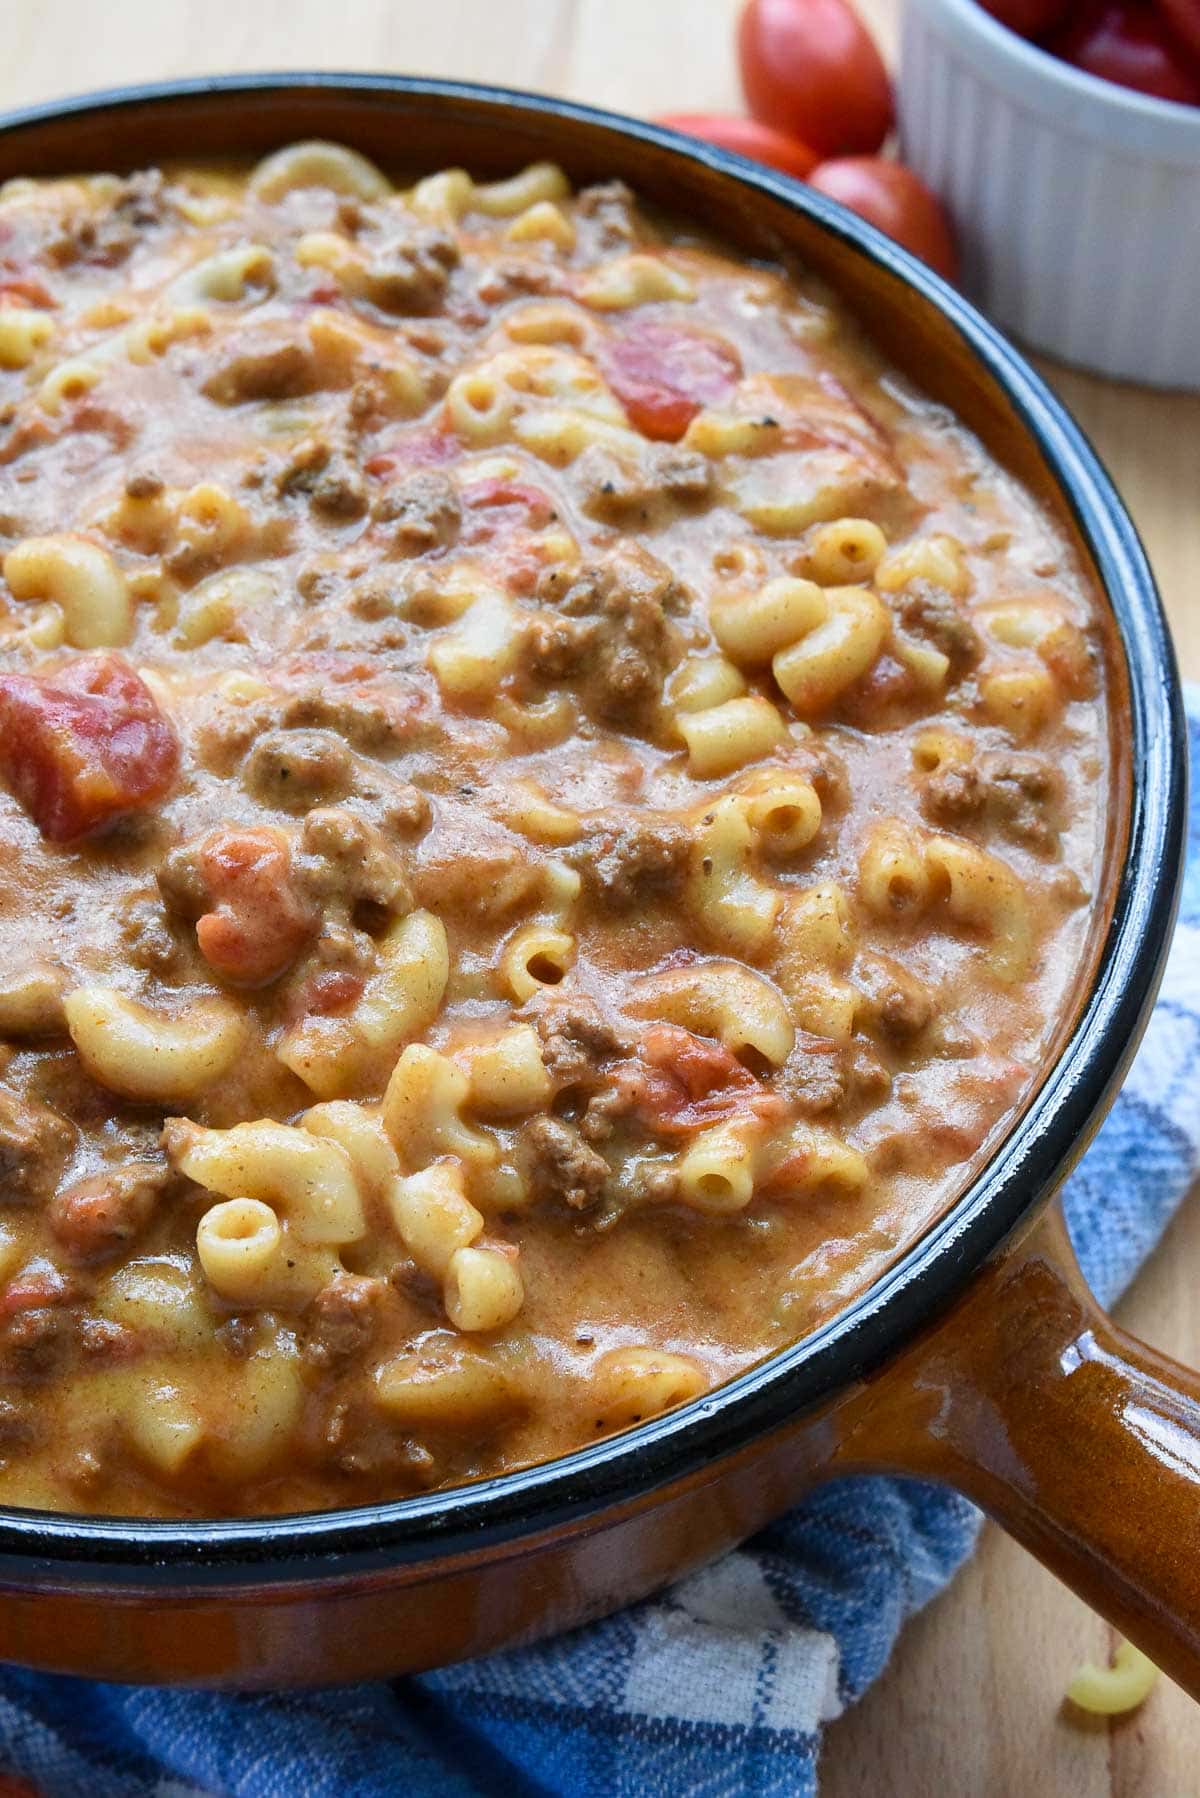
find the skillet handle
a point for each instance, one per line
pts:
(1082, 1442)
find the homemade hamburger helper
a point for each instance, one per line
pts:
(550, 805)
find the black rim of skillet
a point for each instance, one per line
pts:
(497, 1514)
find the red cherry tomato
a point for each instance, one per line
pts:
(746, 137)
(1131, 46)
(1028, 18)
(810, 68)
(1183, 17)
(892, 197)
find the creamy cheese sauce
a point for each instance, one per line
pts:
(550, 809)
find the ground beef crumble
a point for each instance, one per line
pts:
(617, 490)
(34, 1144)
(342, 1319)
(410, 274)
(609, 207)
(421, 512)
(562, 1168)
(821, 1077)
(625, 860)
(577, 1040)
(1021, 795)
(623, 640)
(930, 612)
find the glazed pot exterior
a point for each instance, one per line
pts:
(389, 1620)
(393, 1588)
(1022, 1395)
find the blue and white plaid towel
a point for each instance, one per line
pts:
(717, 1689)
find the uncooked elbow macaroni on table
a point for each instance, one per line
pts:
(548, 811)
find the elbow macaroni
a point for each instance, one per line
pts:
(150, 1055)
(400, 999)
(741, 1008)
(318, 164)
(81, 579)
(422, 1109)
(635, 280)
(310, 1180)
(900, 872)
(506, 1073)
(716, 1172)
(817, 669)
(723, 737)
(434, 1216)
(728, 897)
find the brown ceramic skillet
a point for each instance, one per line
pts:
(979, 1359)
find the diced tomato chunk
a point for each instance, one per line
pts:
(84, 746)
(505, 515)
(322, 292)
(333, 990)
(683, 1083)
(22, 291)
(819, 412)
(699, 1063)
(414, 449)
(340, 665)
(38, 1284)
(521, 502)
(664, 376)
(260, 921)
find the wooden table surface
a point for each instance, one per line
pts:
(970, 1706)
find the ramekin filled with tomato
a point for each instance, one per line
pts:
(1063, 137)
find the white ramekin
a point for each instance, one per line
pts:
(1077, 203)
